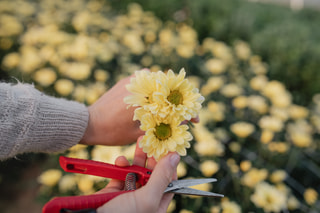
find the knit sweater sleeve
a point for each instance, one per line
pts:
(33, 122)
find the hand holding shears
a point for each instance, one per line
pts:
(141, 175)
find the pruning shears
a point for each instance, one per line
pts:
(130, 174)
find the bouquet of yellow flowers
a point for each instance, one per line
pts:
(163, 102)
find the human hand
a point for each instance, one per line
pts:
(149, 198)
(110, 121)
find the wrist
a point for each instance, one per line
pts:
(87, 137)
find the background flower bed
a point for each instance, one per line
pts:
(259, 135)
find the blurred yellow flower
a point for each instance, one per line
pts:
(79, 93)
(163, 136)
(300, 133)
(146, 60)
(277, 93)
(203, 187)
(215, 209)
(101, 75)
(212, 85)
(216, 66)
(235, 147)
(271, 123)
(81, 20)
(64, 87)
(45, 76)
(11, 61)
(242, 50)
(233, 165)
(269, 198)
(106, 154)
(257, 103)
(273, 89)
(181, 169)
(278, 176)
(209, 168)
(206, 143)
(67, 183)
(85, 184)
(240, 102)
(172, 206)
(6, 43)
(231, 90)
(185, 211)
(280, 147)
(259, 68)
(258, 82)
(245, 165)
(266, 136)
(187, 35)
(50, 177)
(281, 113)
(9, 26)
(242, 129)
(217, 110)
(293, 203)
(81, 153)
(185, 51)
(94, 91)
(75, 70)
(167, 40)
(281, 100)
(222, 51)
(30, 59)
(310, 196)
(230, 207)
(134, 42)
(298, 112)
(195, 81)
(254, 176)
(301, 139)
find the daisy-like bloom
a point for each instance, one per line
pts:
(164, 94)
(269, 198)
(163, 136)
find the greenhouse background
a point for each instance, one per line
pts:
(256, 64)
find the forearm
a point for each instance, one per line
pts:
(33, 122)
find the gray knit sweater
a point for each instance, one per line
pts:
(33, 122)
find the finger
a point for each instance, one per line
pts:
(161, 177)
(151, 163)
(165, 202)
(116, 185)
(122, 161)
(140, 157)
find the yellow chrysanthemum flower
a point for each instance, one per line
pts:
(164, 94)
(163, 101)
(163, 136)
(269, 198)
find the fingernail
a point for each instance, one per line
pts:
(174, 159)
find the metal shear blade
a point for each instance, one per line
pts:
(182, 187)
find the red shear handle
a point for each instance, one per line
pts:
(101, 169)
(79, 202)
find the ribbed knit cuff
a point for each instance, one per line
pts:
(35, 122)
(59, 124)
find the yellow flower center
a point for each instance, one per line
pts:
(163, 131)
(175, 97)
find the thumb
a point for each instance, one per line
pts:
(161, 176)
